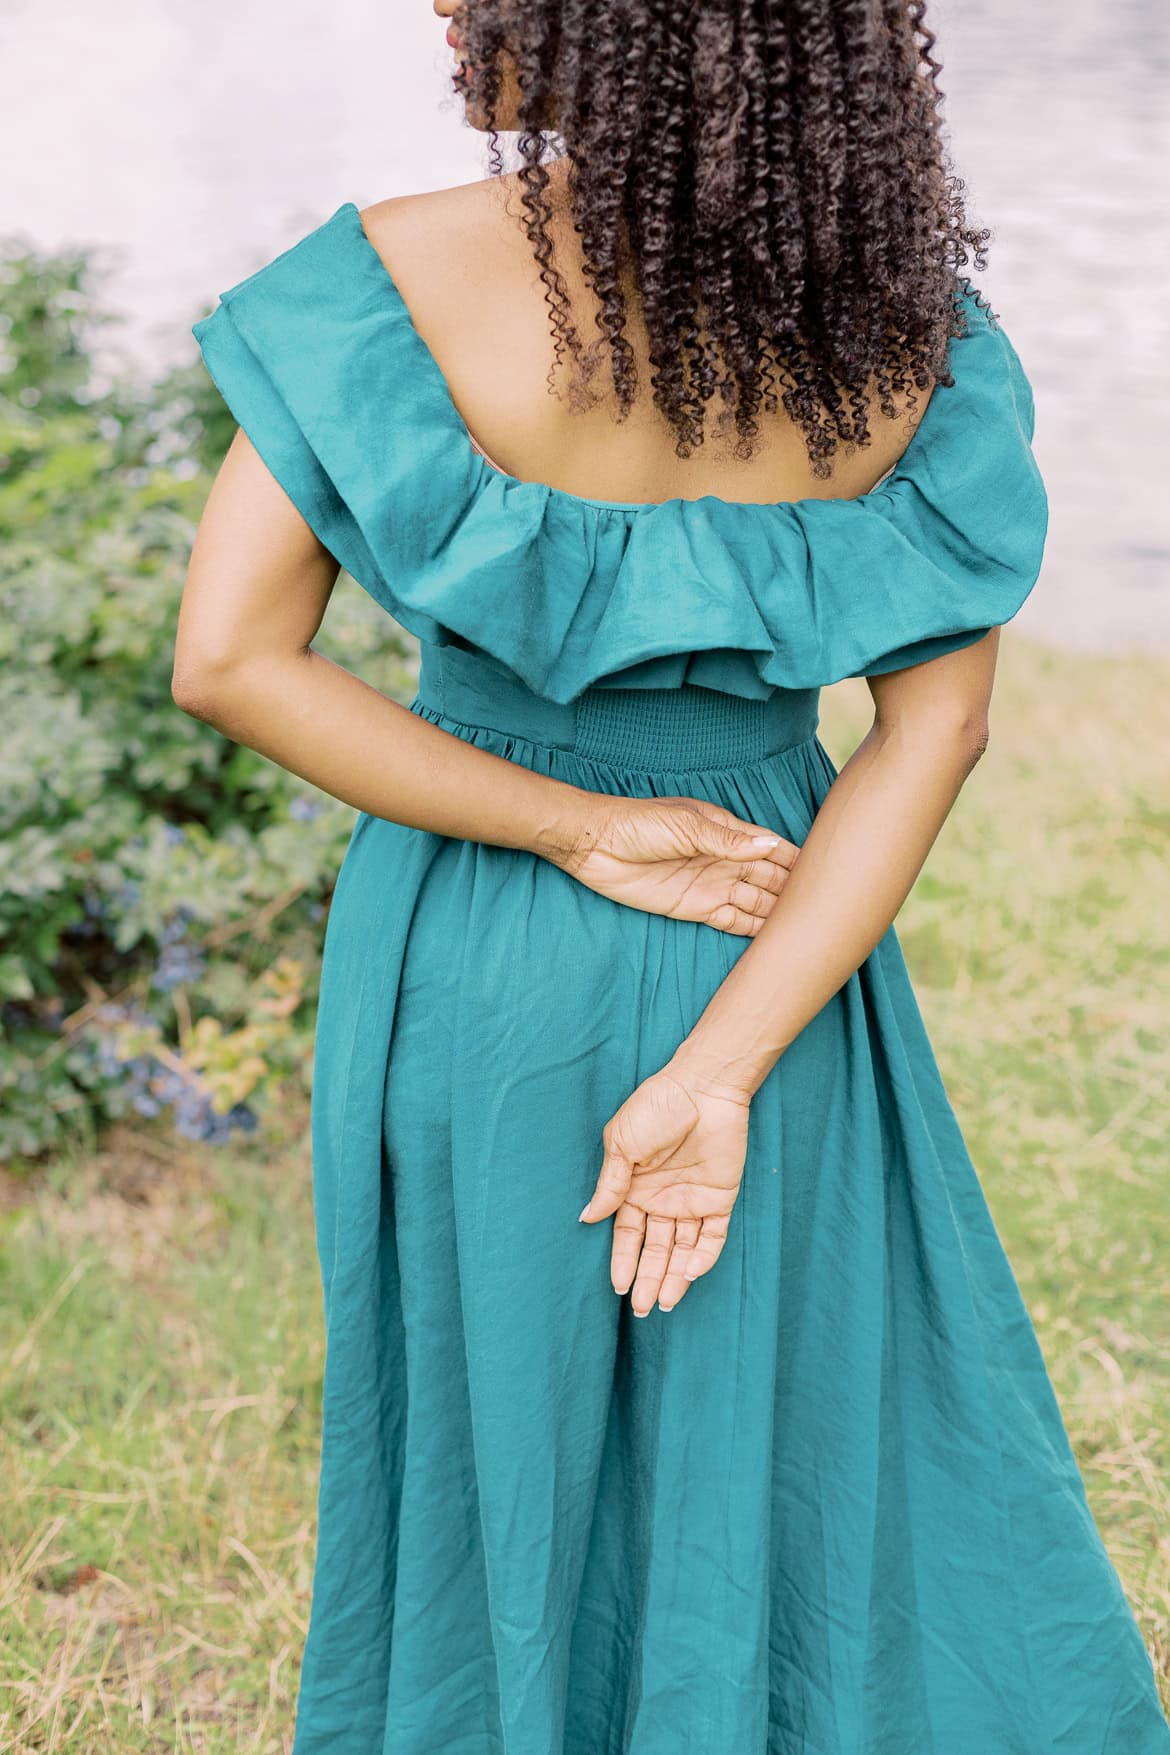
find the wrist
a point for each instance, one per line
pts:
(569, 824)
(719, 1072)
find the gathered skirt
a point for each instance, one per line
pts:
(827, 1505)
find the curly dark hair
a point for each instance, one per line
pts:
(774, 167)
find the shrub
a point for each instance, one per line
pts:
(163, 891)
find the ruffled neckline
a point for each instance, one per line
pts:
(318, 357)
(428, 365)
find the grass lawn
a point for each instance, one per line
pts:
(160, 1322)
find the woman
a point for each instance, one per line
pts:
(806, 1490)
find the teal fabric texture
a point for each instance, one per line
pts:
(827, 1505)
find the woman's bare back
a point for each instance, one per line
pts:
(464, 266)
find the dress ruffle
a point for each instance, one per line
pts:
(319, 360)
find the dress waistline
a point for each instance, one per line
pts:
(688, 727)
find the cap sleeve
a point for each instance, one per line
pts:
(284, 348)
(256, 406)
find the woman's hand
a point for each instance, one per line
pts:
(686, 858)
(674, 1160)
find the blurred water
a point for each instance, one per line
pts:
(1060, 122)
(193, 143)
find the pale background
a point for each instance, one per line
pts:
(192, 142)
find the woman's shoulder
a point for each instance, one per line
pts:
(451, 253)
(448, 229)
(423, 212)
(447, 244)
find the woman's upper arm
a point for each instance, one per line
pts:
(951, 693)
(258, 580)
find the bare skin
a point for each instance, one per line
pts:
(257, 588)
(463, 264)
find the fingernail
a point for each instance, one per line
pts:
(691, 1273)
(583, 1211)
(641, 1312)
(666, 1306)
(765, 841)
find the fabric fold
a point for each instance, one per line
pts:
(319, 360)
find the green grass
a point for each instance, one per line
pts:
(160, 1345)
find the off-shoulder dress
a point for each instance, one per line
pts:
(827, 1506)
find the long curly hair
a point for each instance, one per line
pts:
(771, 176)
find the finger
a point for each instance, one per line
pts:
(656, 1250)
(686, 1232)
(718, 813)
(728, 918)
(783, 852)
(709, 1247)
(747, 906)
(763, 873)
(750, 850)
(629, 1227)
(768, 874)
(730, 837)
(674, 1282)
(753, 898)
(613, 1184)
(755, 862)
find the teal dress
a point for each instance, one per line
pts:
(827, 1506)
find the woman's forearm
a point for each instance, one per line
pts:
(857, 865)
(324, 723)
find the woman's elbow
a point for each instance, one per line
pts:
(957, 739)
(201, 682)
(964, 738)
